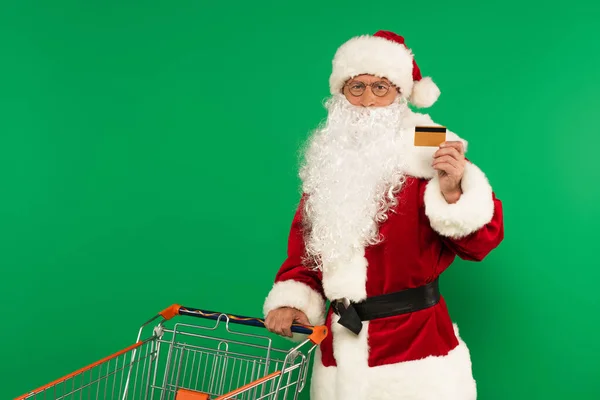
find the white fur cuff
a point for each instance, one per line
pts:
(472, 211)
(297, 295)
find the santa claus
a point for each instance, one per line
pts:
(379, 221)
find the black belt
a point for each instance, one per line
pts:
(387, 305)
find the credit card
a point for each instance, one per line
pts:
(430, 135)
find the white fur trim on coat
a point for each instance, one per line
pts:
(447, 377)
(322, 382)
(375, 56)
(472, 211)
(347, 279)
(297, 295)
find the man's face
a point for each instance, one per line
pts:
(370, 91)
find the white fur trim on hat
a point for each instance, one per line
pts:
(425, 92)
(375, 56)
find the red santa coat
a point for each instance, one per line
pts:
(416, 356)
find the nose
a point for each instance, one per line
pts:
(367, 99)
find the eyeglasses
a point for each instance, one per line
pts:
(379, 88)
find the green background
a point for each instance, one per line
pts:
(149, 151)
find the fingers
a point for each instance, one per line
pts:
(269, 322)
(447, 159)
(455, 144)
(286, 329)
(301, 318)
(283, 324)
(447, 168)
(279, 321)
(449, 151)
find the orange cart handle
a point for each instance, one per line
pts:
(317, 333)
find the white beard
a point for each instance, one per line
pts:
(351, 174)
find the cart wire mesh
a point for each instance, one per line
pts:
(193, 362)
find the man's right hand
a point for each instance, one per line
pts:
(280, 320)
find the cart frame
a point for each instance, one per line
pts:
(158, 367)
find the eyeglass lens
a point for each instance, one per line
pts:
(379, 88)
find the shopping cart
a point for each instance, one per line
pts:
(193, 362)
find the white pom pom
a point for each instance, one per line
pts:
(425, 92)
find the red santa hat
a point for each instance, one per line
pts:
(385, 55)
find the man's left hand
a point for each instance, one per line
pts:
(449, 161)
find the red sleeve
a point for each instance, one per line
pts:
(473, 226)
(477, 245)
(297, 285)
